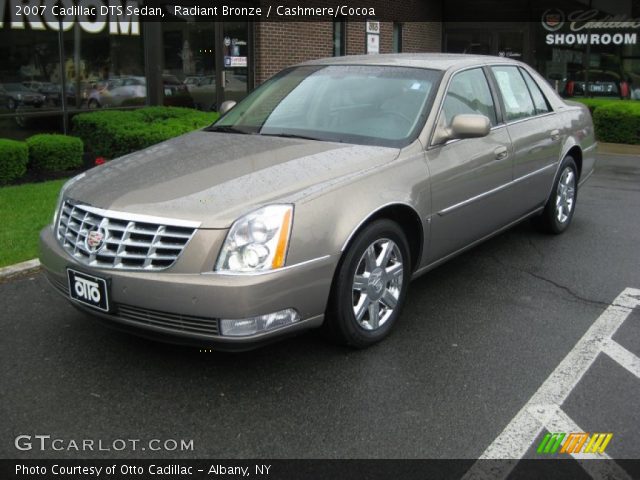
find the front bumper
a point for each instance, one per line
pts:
(184, 308)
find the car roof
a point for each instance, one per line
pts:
(436, 61)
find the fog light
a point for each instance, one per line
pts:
(263, 323)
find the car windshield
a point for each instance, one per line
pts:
(370, 105)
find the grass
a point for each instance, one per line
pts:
(595, 103)
(24, 211)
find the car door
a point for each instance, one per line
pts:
(469, 176)
(535, 136)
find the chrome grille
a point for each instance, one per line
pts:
(132, 242)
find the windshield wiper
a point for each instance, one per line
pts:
(226, 129)
(291, 135)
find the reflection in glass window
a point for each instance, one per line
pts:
(347, 103)
(189, 65)
(469, 93)
(515, 94)
(397, 37)
(339, 38)
(539, 100)
(103, 70)
(30, 82)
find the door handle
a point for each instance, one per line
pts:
(555, 135)
(501, 153)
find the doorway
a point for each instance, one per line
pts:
(488, 41)
(205, 63)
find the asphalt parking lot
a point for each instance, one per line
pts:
(478, 337)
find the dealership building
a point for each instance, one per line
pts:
(53, 67)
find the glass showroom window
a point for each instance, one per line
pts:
(339, 38)
(397, 37)
(610, 70)
(46, 75)
(103, 69)
(30, 82)
(189, 76)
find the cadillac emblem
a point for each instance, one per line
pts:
(95, 239)
(553, 19)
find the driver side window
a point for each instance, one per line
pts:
(469, 93)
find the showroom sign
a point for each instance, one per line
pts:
(93, 16)
(582, 24)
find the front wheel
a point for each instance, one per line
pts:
(561, 205)
(370, 286)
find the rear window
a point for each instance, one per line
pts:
(515, 94)
(539, 100)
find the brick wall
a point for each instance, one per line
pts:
(281, 44)
(422, 37)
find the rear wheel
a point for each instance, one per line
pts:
(370, 285)
(558, 211)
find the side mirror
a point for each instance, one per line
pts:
(464, 126)
(226, 106)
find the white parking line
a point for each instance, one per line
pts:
(521, 432)
(555, 420)
(623, 356)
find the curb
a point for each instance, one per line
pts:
(618, 149)
(19, 268)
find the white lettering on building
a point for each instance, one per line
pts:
(93, 16)
(591, 39)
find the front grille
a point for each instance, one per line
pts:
(131, 242)
(173, 321)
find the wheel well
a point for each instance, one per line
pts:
(576, 153)
(411, 225)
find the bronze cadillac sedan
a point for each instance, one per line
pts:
(317, 199)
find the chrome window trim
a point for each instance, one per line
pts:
(534, 117)
(468, 201)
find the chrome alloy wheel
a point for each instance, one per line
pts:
(377, 284)
(565, 195)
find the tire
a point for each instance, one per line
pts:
(93, 104)
(561, 205)
(369, 295)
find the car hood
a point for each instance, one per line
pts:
(214, 178)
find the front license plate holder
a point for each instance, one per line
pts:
(88, 290)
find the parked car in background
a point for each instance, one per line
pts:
(176, 93)
(127, 91)
(318, 198)
(116, 91)
(51, 91)
(600, 83)
(204, 93)
(15, 95)
(194, 81)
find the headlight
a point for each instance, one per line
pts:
(63, 190)
(258, 241)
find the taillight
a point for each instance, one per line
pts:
(570, 87)
(624, 89)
